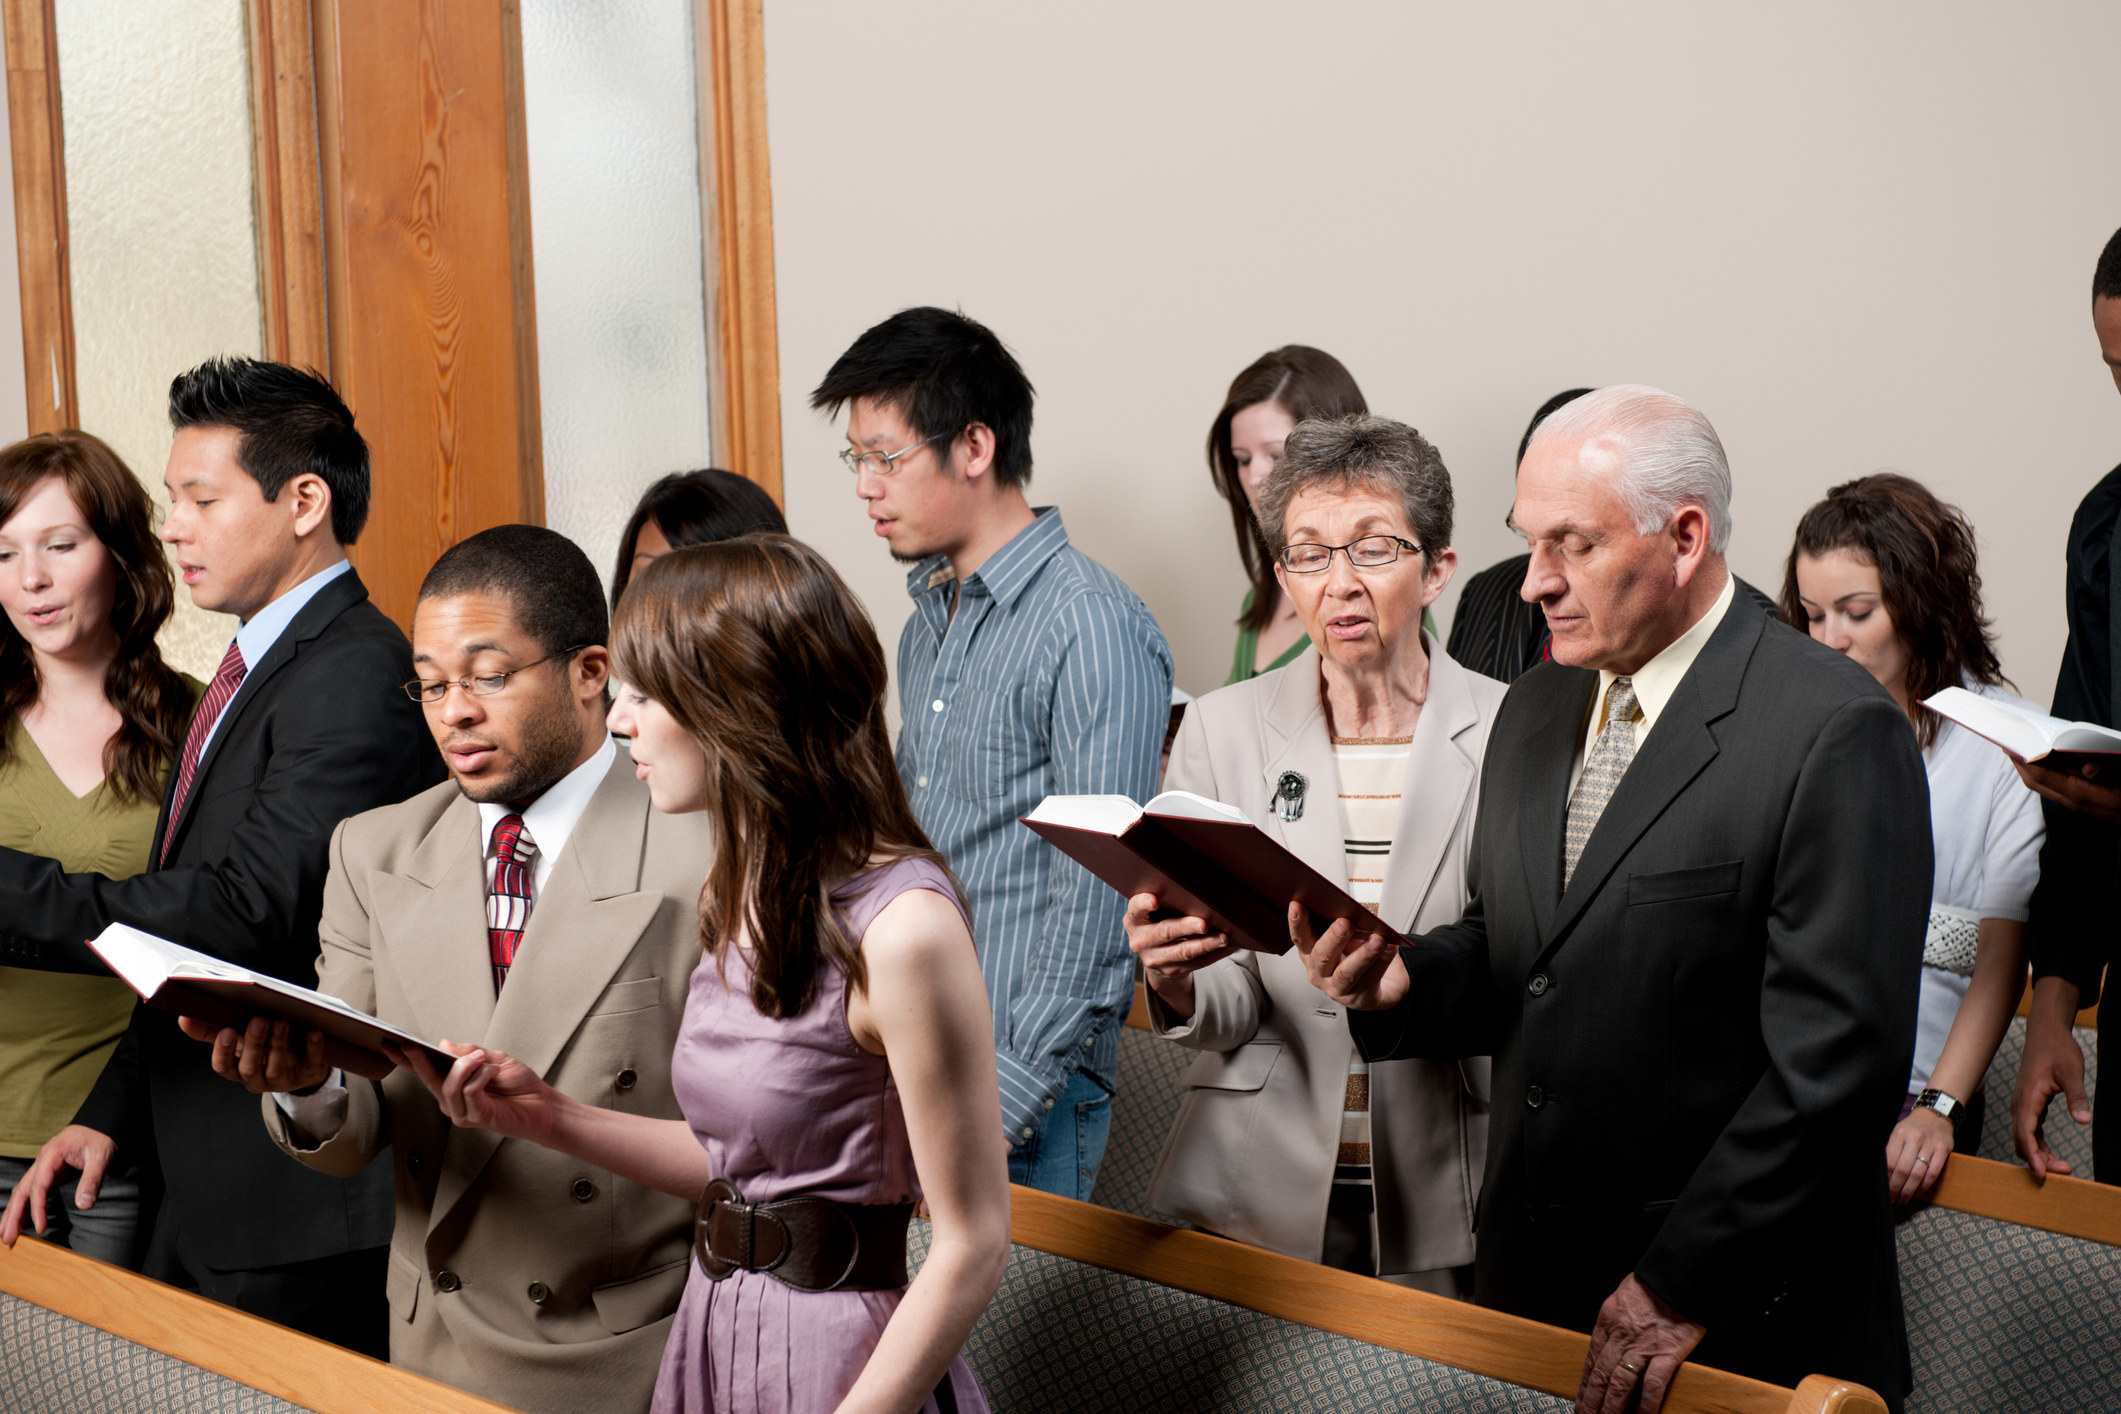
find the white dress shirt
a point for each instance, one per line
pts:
(549, 821)
(1986, 828)
(1656, 680)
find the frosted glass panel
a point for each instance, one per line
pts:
(161, 227)
(611, 106)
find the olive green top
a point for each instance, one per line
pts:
(57, 1029)
(1241, 669)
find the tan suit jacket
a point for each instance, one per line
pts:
(518, 1272)
(1251, 1155)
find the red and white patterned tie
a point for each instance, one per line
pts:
(515, 855)
(227, 679)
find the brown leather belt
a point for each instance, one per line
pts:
(811, 1244)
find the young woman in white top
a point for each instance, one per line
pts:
(1884, 572)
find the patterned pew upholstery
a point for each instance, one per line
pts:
(1065, 1336)
(2070, 1140)
(1143, 1111)
(2001, 1316)
(79, 1336)
(49, 1362)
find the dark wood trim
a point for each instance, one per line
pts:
(283, 1363)
(737, 191)
(1454, 1333)
(428, 272)
(289, 185)
(37, 136)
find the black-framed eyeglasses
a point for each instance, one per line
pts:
(1369, 553)
(881, 463)
(480, 684)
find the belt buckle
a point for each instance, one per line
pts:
(721, 1197)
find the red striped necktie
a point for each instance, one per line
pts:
(515, 855)
(227, 679)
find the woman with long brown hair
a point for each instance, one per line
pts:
(836, 1063)
(1885, 572)
(1263, 406)
(90, 718)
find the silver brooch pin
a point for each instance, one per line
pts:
(1289, 796)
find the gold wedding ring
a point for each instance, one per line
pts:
(1632, 1368)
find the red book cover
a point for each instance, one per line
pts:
(1200, 858)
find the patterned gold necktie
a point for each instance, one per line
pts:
(1603, 766)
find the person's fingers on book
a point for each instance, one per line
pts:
(198, 1030)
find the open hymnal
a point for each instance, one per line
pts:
(1201, 859)
(2027, 732)
(178, 979)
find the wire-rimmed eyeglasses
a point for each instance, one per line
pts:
(880, 463)
(429, 692)
(1369, 553)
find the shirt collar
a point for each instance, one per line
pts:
(1656, 680)
(257, 634)
(1008, 571)
(551, 818)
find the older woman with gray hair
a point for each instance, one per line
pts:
(1363, 757)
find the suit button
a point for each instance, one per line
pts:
(583, 1190)
(446, 1281)
(1538, 985)
(627, 1079)
(539, 1293)
(1535, 1097)
(412, 1165)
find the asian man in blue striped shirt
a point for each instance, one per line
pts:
(1027, 669)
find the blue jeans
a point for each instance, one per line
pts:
(1063, 1154)
(109, 1232)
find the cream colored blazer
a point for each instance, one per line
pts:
(517, 1272)
(1251, 1155)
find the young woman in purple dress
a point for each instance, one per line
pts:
(836, 1064)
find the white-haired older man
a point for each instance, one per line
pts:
(1702, 870)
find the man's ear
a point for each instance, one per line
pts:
(592, 671)
(975, 447)
(310, 501)
(1690, 543)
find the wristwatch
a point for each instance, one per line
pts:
(1943, 1104)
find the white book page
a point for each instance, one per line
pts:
(1100, 814)
(145, 962)
(2020, 726)
(1187, 806)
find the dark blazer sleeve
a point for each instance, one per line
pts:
(2071, 929)
(1449, 1011)
(1837, 1014)
(338, 738)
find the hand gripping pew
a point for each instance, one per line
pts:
(1104, 1311)
(77, 1335)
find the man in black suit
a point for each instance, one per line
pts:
(2074, 933)
(1702, 871)
(305, 723)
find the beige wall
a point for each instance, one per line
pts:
(1857, 236)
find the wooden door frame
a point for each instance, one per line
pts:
(294, 128)
(37, 138)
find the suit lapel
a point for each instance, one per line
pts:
(1677, 750)
(586, 922)
(433, 919)
(1539, 814)
(1440, 774)
(1297, 738)
(318, 614)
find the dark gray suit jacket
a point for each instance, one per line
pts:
(1702, 1045)
(318, 731)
